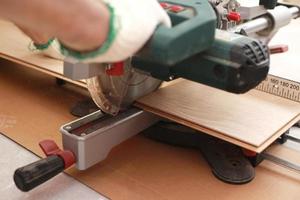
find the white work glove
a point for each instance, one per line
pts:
(134, 22)
(53, 51)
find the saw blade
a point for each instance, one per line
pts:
(114, 93)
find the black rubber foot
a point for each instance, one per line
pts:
(83, 108)
(226, 160)
(283, 138)
(60, 82)
(256, 160)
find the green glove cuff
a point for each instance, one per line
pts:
(33, 46)
(113, 30)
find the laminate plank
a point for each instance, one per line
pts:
(252, 120)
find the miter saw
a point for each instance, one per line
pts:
(220, 43)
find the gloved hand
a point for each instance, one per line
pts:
(131, 25)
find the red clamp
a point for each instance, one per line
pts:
(280, 48)
(50, 148)
(249, 153)
(234, 16)
(165, 5)
(116, 69)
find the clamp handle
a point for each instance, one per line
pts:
(34, 174)
(192, 32)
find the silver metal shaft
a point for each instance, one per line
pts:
(263, 23)
(293, 139)
(254, 25)
(295, 12)
(284, 163)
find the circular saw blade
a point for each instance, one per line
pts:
(114, 93)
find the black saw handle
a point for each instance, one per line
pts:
(34, 174)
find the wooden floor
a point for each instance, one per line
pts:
(32, 108)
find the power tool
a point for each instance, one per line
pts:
(193, 49)
(218, 43)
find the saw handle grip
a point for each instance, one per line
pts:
(190, 34)
(34, 174)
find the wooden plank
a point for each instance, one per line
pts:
(252, 120)
(14, 47)
(34, 109)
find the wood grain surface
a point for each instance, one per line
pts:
(252, 120)
(32, 108)
(14, 47)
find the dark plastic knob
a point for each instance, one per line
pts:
(34, 174)
(268, 4)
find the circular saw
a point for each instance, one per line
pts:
(193, 48)
(119, 86)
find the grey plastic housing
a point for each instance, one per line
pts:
(99, 133)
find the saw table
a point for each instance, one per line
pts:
(138, 168)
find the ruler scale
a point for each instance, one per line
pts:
(280, 87)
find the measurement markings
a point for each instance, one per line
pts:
(281, 87)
